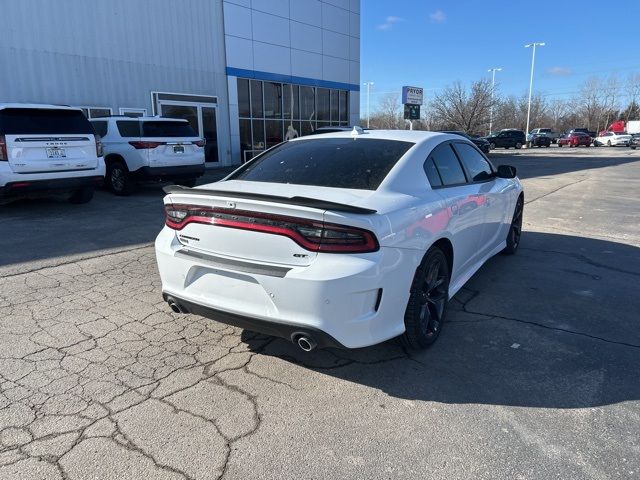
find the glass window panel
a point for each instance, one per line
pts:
(334, 106)
(99, 112)
(245, 138)
(448, 166)
(307, 103)
(307, 128)
(258, 135)
(273, 132)
(322, 95)
(290, 99)
(344, 106)
(244, 108)
(272, 100)
(291, 130)
(256, 99)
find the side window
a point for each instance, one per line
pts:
(432, 173)
(447, 164)
(100, 128)
(477, 166)
(128, 128)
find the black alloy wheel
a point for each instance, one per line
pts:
(515, 230)
(427, 305)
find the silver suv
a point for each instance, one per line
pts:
(149, 148)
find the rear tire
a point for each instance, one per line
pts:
(492, 146)
(82, 195)
(608, 143)
(428, 301)
(518, 145)
(118, 179)
(515, 230)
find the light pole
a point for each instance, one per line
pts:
(533, 61)
(493, 85)
(368, 85)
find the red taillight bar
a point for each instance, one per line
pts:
(312, 235)
(141, 144)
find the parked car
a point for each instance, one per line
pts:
(547, 132)
(508, 138)
(586, 131)
(575, 139)
(149, 148)
(479, 142)
(612, 139)
(323, 240)
(539, 140)
(46, 149)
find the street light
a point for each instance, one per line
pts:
(493, 84)
(368, 85)
(533, 60)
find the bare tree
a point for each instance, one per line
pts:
(388, 114)
(459, 108)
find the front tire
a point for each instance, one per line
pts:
(428, 301)
(492, 146)
(518, 145)
(118, 179)
(608, 143)
(515, 230)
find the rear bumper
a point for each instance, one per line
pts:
(55, 185)
(169, 173)
(346, 301)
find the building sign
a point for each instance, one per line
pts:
(412, 95)
(412, 112)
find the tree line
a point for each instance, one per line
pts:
(468, 107)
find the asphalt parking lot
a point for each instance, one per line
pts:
(536, 374)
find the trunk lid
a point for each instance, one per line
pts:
(238, 197)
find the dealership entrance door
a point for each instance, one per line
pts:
(200, 111)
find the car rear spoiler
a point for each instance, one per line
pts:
(301, 201)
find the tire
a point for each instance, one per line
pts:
(518, 145)
(608, 143)
(118, 179)
(492, 146)
(187, 182)
(633, 148)
(559, 145)
(515, 230)
(82, 195)
(588, 145)
(427, 306)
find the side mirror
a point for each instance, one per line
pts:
(506, 171)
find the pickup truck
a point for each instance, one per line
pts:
(547, 132)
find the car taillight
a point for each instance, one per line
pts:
(99, 147)
(309, 234)
(3, 149)
(200, 143)
(141, 144)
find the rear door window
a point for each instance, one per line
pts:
(128, 128)
(43, 121)
(327, 162)
(167, 129)
(477, 166)
(447, 164)
(100, 128)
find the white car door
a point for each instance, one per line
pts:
(493, 195)
(463, 202)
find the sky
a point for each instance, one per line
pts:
(432, 43)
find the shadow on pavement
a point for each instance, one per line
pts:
(555, 326)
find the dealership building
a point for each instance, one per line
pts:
(246, 74)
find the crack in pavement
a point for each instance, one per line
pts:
(555, 190)
(585, 259)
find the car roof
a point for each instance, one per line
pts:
(45, 106)
(124, 117)
(414, 136)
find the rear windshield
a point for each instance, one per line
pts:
(329, 162)
(167, 129)
(41, 121)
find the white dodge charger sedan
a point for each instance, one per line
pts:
(340, 240)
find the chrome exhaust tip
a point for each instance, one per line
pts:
(306, 344)
(175, 306)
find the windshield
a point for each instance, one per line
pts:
(327, 162)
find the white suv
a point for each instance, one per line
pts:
(48, 149)
(149, 148)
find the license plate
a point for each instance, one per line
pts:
(178, 149)
(56, 153)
